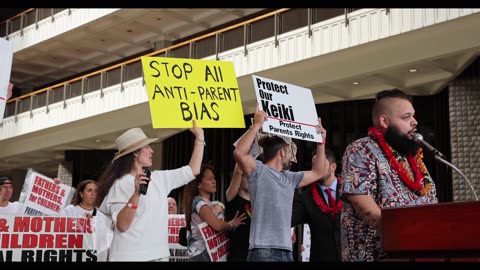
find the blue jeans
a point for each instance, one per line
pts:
(269, 255)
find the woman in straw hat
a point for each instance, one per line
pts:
(141, 229)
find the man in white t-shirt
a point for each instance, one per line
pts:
(6, 191)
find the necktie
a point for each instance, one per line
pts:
(331, 200)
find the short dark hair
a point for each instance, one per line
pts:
(329, 154)
(392, 93)
(271, 145)
(379, 106)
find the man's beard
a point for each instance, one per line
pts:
(6, 198)
(399, 142)
(286, 165)
(322, 180)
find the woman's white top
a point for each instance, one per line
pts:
(147, 237)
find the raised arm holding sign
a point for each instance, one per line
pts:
(271, 186)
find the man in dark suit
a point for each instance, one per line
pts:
(315, 207)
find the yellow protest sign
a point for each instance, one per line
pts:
(181, 90)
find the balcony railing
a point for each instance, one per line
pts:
(25, 19)
(239, 35)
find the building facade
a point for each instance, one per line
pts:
(78, 80)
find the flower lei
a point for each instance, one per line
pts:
(321, 204)
(397, 163)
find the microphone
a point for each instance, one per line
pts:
(144, 187)
(418, 138)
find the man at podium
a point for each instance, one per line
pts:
(383, 170)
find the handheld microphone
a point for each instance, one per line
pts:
(144, 187)
(418, 138)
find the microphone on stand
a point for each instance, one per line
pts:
(418, 138)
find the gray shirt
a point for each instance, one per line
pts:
(271, 195)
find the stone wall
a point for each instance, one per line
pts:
(464, 101)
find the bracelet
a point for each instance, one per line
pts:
(204, 143)
(232, 226)
(131, 205)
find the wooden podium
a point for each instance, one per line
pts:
(438, 232)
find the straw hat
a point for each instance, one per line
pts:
(133, 139)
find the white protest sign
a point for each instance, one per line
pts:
(6, 55)
(178, 252)
(290, 108)
(51, 239)
(42, 196)
(216, 242)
